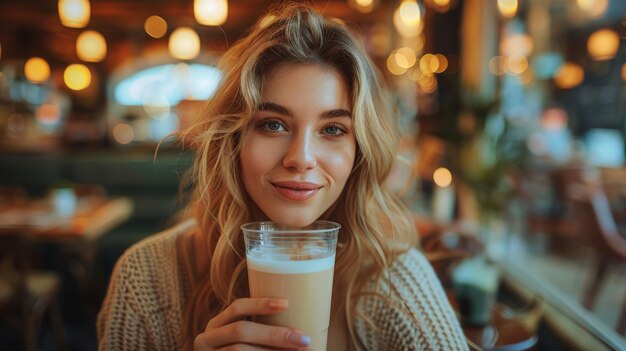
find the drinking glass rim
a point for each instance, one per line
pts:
(331, 226)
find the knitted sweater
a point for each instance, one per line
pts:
(149, 286)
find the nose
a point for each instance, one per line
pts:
(301, 152)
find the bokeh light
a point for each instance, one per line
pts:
(155, 26)
(210, 12)
(569, 76)
(184, 44)
(74, 13)
(37, 70)
(392, 64)
(123, 133)
(442, 177)
(603, 44)
(91, 46)
(77, 76)
(507, 8)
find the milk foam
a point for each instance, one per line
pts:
(269, 265)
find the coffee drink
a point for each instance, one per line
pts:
(295, 264)
(307, 285)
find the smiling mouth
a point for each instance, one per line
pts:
(296, 191)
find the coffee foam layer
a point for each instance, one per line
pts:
(291, 266)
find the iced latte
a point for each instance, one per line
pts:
(297, 265)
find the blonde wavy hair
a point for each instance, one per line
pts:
(374, 222)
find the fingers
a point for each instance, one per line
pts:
(247, 307)
(259, 334)
(244, 347)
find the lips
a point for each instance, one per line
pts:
(296, 191)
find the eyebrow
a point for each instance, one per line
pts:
(273, 107)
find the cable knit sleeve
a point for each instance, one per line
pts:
(143, 306)
(122, 321)
(407, 309)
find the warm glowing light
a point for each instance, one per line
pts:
(427, 83)
(497, 65)
(405, 57)
(77, 76)
(392, 64)
(517, 44)
(91, 46)
(408, 19)
(426, 63)
(442, 63)
(414, 74)
(410, 11)
(433, 64)
(184, 44)
(516, 65)
(569, 76)
(363, 6)
(442, 177)
(603, 44)
(210, 12)
(123, 133)
(441, 6)
(74, 13)
(593, 8)
(155, 26)
(48, 114)
(507, 8)
(37, 70)
(624, 72)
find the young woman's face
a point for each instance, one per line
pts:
(302, 149)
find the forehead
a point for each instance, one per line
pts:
(296, 78)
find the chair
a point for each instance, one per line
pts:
(26, 295)
(558, 221)
(604, 237)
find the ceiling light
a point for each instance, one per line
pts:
(74, 13)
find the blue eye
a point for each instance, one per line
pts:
(335, 130)
(273, 125)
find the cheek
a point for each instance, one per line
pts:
(340, 162)
(258, 157)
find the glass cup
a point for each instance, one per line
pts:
(475, 285)
(295, 264)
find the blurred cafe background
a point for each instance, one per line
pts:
(512, 157)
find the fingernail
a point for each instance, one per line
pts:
(299, 339)
(279, 304)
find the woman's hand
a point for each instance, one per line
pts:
(230, 331)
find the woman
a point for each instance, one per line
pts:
(297, 131)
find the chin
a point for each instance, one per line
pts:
(295, 220)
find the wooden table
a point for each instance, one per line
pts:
(94, 216)
(34, 222)
(505, 332)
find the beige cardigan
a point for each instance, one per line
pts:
(149, 286)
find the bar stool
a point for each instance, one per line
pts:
(26, 295)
